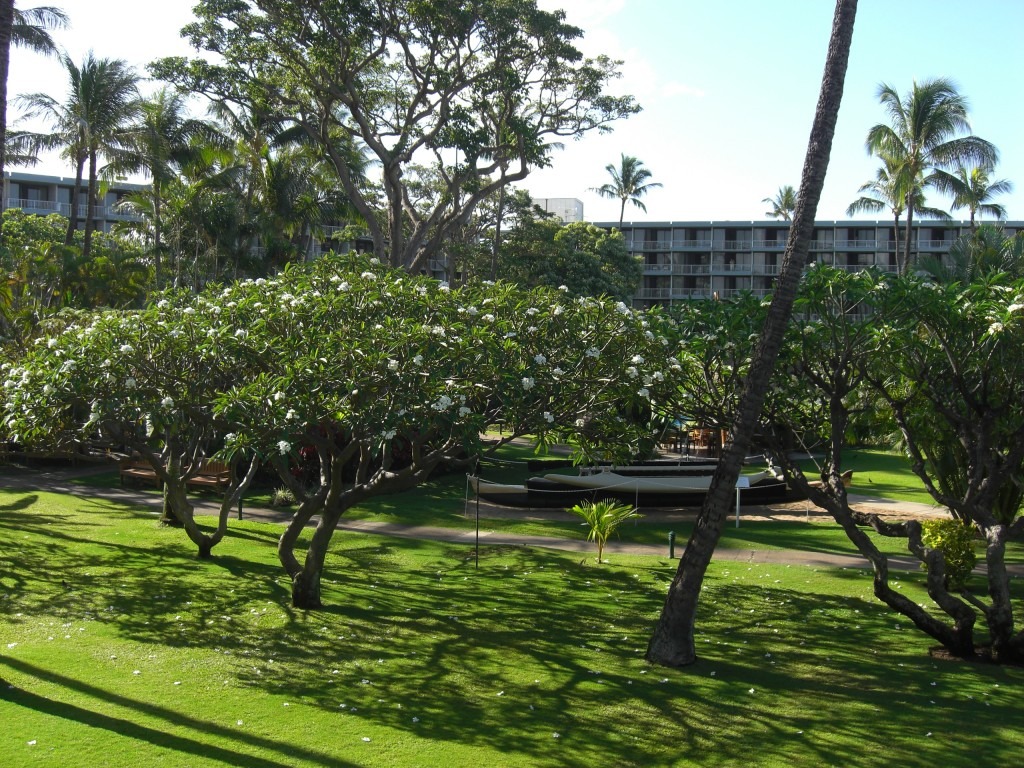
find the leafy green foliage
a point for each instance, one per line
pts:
(602, 518)
(956, 541)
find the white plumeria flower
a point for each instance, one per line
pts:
(1015, 308)
(167, 402)
(632, 372)
(489, 317)
(563, 288)
(532, 311)
(127, 349)
(644, 392)
(418, 359)
(528, 382)
(464, 411)
(995, 328)
(539, 359)
(549, 417)
(637, 360)
(593, 352)
(278, 396)
(283, 447)
(558, 371)
(291, 415)
(392, 364)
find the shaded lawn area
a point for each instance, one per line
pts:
(445, 501)
(120, 648)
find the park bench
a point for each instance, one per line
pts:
(211, 474)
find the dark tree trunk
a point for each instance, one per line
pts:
(673, 641)
(90, 207)
(905, 267)
(306, 583)
(69, 238)
(6, 24)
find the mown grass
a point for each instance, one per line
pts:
(119, 648)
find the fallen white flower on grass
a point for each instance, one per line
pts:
(136, 672)
(415, 719)
(556, 735)
(238, 722)
(500, 693)
(751, 690)
(33, 742)
(366, 738)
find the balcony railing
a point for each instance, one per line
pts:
(769, 245)
(736, 245)
(668, 245)
(862, 244)
(648, 267)
(654, 293)
(64, 209)
(691, 269)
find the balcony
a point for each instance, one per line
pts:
(722, 265)
(648, 267)
(736, 245)
(934, 245)
(691, 269)
(653, 293)
(38, 207)
(868, 245)
(769, 245)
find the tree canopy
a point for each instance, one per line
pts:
(478, 90)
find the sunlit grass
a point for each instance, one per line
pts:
(119, 648)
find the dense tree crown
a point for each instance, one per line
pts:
(475, 90)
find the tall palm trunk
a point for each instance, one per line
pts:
(673, 641)
(6, 24)
(905, 267)
(90, 207)
(76, 191)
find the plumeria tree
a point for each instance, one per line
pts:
(384, 377)
(381, 376)
(145, 378)
(947, 362)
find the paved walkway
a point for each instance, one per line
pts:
(61, 480)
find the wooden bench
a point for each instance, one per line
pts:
(211, 474)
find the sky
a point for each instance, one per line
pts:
(728, 90)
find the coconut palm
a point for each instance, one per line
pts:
(162, 141)
(972, 189)
(888, 190)
(102, 100)
(926, 132)
(783, 204)
(629, 183)
(673, 643)
(29, 28)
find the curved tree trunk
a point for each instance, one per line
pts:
(673, 641)
(286, 544)
(306, 583)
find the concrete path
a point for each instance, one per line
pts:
(62, 481)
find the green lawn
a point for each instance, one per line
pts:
(881, 473)
(118, 648)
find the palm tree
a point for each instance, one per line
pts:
(783, 204)
(161, 142)
(972, 189)
(672, 643)
(629, 183)
(979, 255)
(889, 190)
(29, 28)
(102, 99)
(925, 133)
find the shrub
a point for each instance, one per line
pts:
(283, 497)
(956, 542)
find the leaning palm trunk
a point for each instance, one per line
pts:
(673, 641)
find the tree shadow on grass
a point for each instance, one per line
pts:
(184, 745)
(535, 643)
